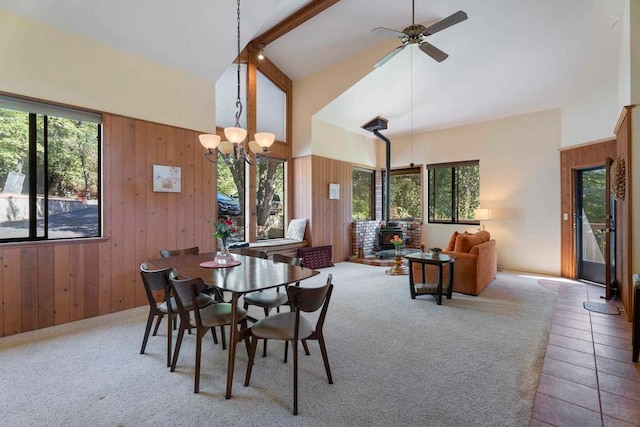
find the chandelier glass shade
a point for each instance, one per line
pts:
(235, 148)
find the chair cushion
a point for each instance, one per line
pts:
(464, 242)
(452, 242)
(281, 327)
(296, 229)
(266, 299)
(203, 300)
(218, 314)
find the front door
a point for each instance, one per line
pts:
(594, 224)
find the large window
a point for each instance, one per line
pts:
(49, 172)
(269, 199)
(406, 193)
(363, 194)
(454, 192)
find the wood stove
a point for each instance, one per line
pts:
(385, 235)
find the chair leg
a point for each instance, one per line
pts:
(306, 347)
(286, 351)
(155, 330)
(176, 350)
(252, 353)
(295, 376)
(196, 385)
(224, 338)
(215, 335)
(264, 349)
(169, 333)
(323, 350)
(147, 331)
(247, 343)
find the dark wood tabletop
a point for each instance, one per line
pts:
(253, 274)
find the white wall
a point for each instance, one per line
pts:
(519, 180)
(42, 62)
(314, 92)
(336, 143)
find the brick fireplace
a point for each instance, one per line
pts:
(365, 235)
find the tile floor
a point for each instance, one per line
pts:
(588, 377)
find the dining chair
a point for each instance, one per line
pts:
(158, 281)
(202, 319)
(256, 253)
(269, 300)
(166, 253)
(293, 326)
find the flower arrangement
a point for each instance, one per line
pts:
(397, 241)
(224, 229)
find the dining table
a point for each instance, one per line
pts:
(251, 274)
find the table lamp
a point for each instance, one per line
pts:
(483, 215)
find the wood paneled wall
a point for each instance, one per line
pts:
(586, 156)
(50, 283)
(329, 220)
(624, 215)
(572, 159)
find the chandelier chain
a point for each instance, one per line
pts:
(238, 100)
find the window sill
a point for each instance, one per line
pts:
(81, 241)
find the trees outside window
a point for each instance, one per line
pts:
(454, 192)
(269, 198)
(49, 172)
(363, 194)
(406, 193)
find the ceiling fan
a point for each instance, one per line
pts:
(417, 34)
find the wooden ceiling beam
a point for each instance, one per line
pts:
(299, 17)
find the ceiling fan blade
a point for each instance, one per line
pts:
(387, 32)
(450, 20)
(388, 56)
(433, 51)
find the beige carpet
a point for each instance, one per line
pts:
(474, 361)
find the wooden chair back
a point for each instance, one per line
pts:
(166, 253)
(257, 253)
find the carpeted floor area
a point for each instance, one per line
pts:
(473, 361)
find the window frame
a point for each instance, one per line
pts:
(416, 170)
(372, 192)
(431, 190)
(37, 110)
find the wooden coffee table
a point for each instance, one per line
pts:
(434, 289)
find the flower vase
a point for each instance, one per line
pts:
(397, 251)
(224, 256)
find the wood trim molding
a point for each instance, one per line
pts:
(296, 19)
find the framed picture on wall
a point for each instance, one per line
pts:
(334, 191)
(166, 179)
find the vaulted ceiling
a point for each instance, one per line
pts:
(509, 57)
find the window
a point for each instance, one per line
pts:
(406, 193)
(226, 95)
(230, 197)
(363, 194)
(270, 198)
(454, 192)
(272, 107)
(49, 172)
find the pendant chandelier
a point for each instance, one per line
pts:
(234, 148)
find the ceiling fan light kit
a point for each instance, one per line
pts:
(417, 34)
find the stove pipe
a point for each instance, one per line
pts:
(375, 126)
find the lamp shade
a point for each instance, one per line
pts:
(265, 139)
(225, 148)
(209, 141)
(235, 135)
(483, 214)
(254, 147)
